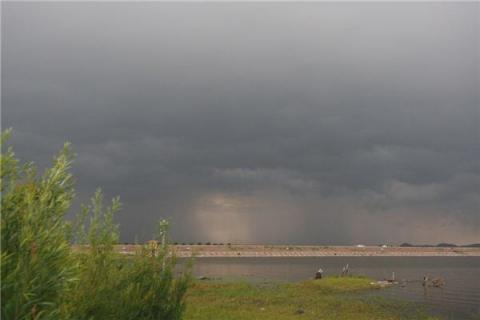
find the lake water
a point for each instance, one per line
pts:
(459, 298)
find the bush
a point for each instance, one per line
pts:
(44, 278)
(37, 265)
(115, 287)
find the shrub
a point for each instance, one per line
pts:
(37, 267)
(115, 287)
(95, 294)
(44, 278)
(151, 290)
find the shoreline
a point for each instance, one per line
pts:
(328, 298)
(260, 251)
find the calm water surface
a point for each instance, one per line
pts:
(458, 299)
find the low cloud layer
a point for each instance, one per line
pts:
(282, 123)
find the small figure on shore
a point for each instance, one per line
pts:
(319, 274)
(425, 281)
(345, 270)
(393, 278)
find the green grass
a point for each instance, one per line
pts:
(328, 298)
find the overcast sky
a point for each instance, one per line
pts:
(328, 123)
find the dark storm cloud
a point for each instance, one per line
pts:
(308, 123)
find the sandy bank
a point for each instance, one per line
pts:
(309, 251)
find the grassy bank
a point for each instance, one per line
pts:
(329, 298)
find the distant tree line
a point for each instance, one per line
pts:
(441, 245)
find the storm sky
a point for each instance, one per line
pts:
(307, 123)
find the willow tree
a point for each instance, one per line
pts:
(36, 266)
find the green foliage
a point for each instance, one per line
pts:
(44, 277)
(93, 296)
(36, 265)
(111, 286)
(150, 279)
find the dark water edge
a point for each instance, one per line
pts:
(459, 298)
